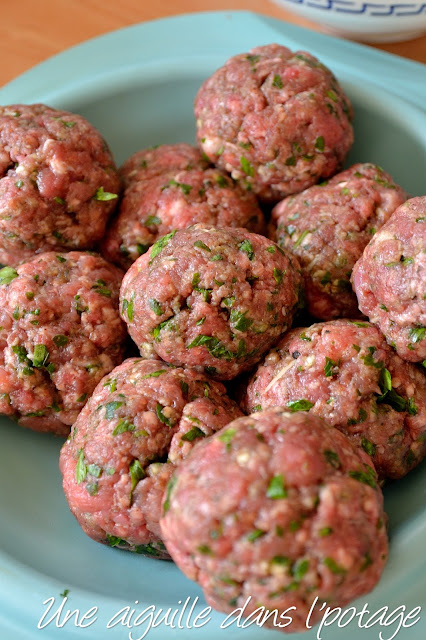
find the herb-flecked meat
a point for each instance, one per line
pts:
(346, 373)
(163, 158)
(328, 226)
(390, 280)
(58, 182)
(277, 121)
(141, 421)
(176, 199)
(211, 298)
(60, 333)
(277, 509)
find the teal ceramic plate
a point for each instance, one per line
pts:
(137, 86)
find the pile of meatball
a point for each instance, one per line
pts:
(278, 305)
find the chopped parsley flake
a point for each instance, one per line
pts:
(115, 541)
(170, 487)
(254, 535)
(319, 144)
(205, 549)
(417, 334)
(123, 425)
(81, 468)
(301, 238)
(104, 196)
(221, 181)
(213, 345)
(136, 473)
(299, 569)
(185, 188)
(60, 340)
(111, 407)
(334, 567)
(128, 306)
(200, 244)
(276, 488)
(158, 246)
(94, 470)
(192, 434)
(227, 436)
(366, 476)
(7, 274)
(362, 417)
(368, 446)
(247, 167)
(326, 278)
(240, 320)
(411, 407)
(111, 383)
(154, 374)
(278, 275)
(40, 356)
(152, 221)
(160, 415)
(277, 81)
(332, 458)
(331, 367)
(299, 405)
(247, 247)
(156, 307)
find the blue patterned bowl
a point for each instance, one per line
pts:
(374, 21)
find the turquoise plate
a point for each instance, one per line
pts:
(137, 86)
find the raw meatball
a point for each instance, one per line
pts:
(328, 226)
(211, 298)
(58, 182)
(141, 421)
(390, 280)
(275, 510)
(277, 121)
(60, 333)
(344, 372)
(175, 200)
(150, 163)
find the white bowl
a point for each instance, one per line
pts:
(375, 21)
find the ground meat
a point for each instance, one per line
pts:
(60, 333)
(277, 508)
(390, 280)
(345, 372)
(58, 182)
(328, 226)
(163, 158)
(175, 200)
(211, 298)
(141, 421)
(277, 121)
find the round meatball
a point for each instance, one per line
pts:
(328, 226)
(277, 121)
(58, 182)
(212, 298)
(390, 280)
(345, 372)
(275, 510)
(141, 421)
(149, 163)
(151, 209)
(60, 333)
